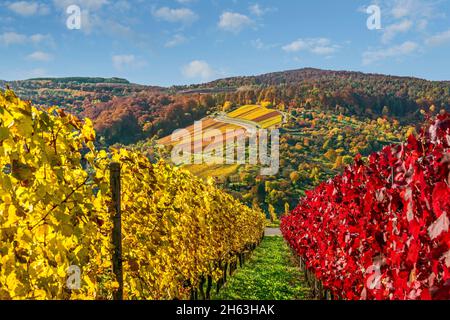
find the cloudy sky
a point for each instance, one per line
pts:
(189, 41)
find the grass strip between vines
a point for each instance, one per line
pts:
(270, 274)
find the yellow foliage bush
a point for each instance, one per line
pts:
(54, 200)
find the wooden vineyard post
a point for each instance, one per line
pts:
(117, 227)
(201, 289)
(208, 288)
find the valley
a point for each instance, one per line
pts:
(325, 119)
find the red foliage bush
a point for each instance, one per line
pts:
(381, 230)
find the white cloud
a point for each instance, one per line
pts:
(256, 10)
(125, 61)
(13, 38)
(406, 14)
(40, 56)
(258, 44)
(114, 28)
(25, 8)
(295, 46)
(182, 15)
(324, 50)
(391, 31)
(399, 11)
(38, 37)
(176, 40)
(439, 39)
(90, 10)
(122, 5)
(198, 69)
(413, 8)
(320, 46)
(9, 38)
(259, 11)
(373, 56)
(42, 38)
(92, 20)
(84, 4)
(261, 45)
(409, 17)
(234, 22)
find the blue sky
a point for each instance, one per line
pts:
(171, 42)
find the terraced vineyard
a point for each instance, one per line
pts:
(263, 117)
(232, 125)
(314, 146)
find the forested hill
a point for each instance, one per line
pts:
(347, 92)
(300, 75)
(125, 112)
(71, 92)
(83, 80)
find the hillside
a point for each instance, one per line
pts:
(295, 76)
(314, 146)
(331, 117)
(72, 92)
(125, 113)
(102, 99)
(351, 92)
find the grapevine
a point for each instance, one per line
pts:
(54, 214)
(381, 230)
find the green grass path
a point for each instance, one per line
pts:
(269, 274)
